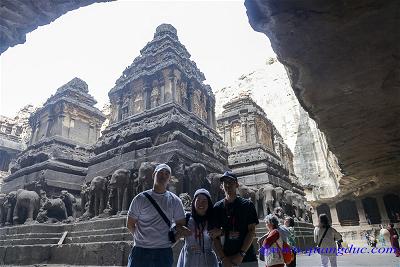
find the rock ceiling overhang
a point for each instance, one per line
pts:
(343, 61)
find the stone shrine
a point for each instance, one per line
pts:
(260, 158)
(58, 152)
(161, 111)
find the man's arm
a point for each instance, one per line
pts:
(248, 240)
(131, 224)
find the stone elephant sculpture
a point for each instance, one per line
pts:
(247, 193)
(278, 196)
(145, 181)
(216, 191)
(119, 185)
(97, 195)
(297, 200)
(3, 213)
(84, 196)
(288, 197)
(69, 202)
(196, 178)
(266, 195)
(9, 206)
(54, 209)
(26, 207)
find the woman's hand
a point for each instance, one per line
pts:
(214, 233)
(182, 231)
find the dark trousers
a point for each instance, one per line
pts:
(150, 257)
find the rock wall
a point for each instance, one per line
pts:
(270, 87)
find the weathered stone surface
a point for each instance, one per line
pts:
(21, 17)
(314, 164)
(14, 136)
(343, 60)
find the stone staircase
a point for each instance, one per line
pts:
(96, 242)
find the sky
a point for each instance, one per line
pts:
(96, 43)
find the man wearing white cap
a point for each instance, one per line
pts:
(150, 216)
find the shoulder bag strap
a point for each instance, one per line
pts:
(167, 221)
(187, 218)
(326, 230)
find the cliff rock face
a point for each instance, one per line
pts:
(314, 164)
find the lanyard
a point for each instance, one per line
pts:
(230, 214)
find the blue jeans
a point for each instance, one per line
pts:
(150, 257)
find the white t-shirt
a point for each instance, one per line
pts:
(151, 230)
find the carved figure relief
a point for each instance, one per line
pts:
(138, 102)
(264, 133)
(197, 103)
(236, 134)
(155, 98)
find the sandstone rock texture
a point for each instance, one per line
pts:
(343, 61)
(270, 87)
(19, 17)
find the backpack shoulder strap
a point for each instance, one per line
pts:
(162, 214)
(322, 238)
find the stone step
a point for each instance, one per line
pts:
(98, 238)
(30, 235)
(29, 241)
(98, 254)
(98, 232)
(32, 228)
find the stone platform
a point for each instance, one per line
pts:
(96, 242)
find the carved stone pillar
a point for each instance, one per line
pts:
(227, 134)
(161, 83)
(146, 95)
(119, 108)
(361, 212)
(174, 81)
(382, 210)
(334, 216)
(209, 115)
(49, 125)
(253, 138)
(243, 133)
(190, 95)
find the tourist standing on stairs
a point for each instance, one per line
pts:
(325, 236)
(272, 244)
(238, 218)
(394, 239)
(150, 216)
(198, 248)
(291, 239)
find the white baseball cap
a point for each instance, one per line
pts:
(160, 167)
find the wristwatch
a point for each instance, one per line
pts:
(242, 253)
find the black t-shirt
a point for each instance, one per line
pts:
(234, 218)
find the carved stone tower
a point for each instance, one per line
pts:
(58, 152)
(161, 111)
(258, 155)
